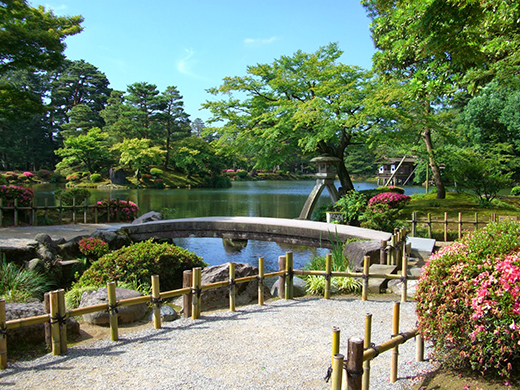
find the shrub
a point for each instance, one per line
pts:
(241, 173)
(28, 175)
(382, 217)
(156, 172)
(73, 177)
(20, 284)
(515, 191)
(3, 179)
(66, 197)
(145, 177)
(351, 206)
(138, 262)
(73, 296)
(391, 199)
(11, 176)
(11, 193)
(43, 173)
(395, 189)
(468, 300)
(93, 248)
(158, 183)
(95, 178)
(128, 211)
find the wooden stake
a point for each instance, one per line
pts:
(289, 272)
(445, 226)
(414, 224)
(419, 348)
(281, 278)
(156, 299)
(232, 289)
(335, 341)
(187, 279)
(404, 273)
(460, 225)
(366, 345)
(55, 326)
(382, 252)
(261, 281)
(47, 325)
(354, 363)
(196, 289)
(337, 372)
(63, 324)
(429, 223)
(395, 350)
(366, 267)
(328, 272)
(3, 337)
(112, 310)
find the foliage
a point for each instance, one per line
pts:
(95, 178)
(138, 262)
(515, 191)
(391, 199)
(93, 248)
(398, 190)
(126, 209)
(382, 217)
(351, 206)
(468, 300)
(73, 296)
(156, 172)
(20, 284)
(137, 153)
(67, 197)
(11, 193)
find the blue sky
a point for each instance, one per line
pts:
(194, 44)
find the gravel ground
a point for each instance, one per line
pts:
(282, 345)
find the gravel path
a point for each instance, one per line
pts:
(282, 345)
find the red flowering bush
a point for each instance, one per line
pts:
(93, 248)
(127, 210)
(10, 193)
(391, 199)
(28, 175)
(468, 300)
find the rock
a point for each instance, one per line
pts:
(115, 239)
(299, 287)
(233, 245)
(20, 255)
(34, 333)
(70, 249)
(126, 314)
(35, 265)
(356, 251)
(44, 239)
(219, 297)
(396, 285)
(167, 314)
(117, 176)
(148, 217)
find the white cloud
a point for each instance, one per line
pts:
(259, 41)
(186, 63)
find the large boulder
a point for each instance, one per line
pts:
(356, 251)
(34, 333)
(299, 287)
(126, 314)
(148, 217)
(115, 239)
(245, 292)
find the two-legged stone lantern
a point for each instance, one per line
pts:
(324, 179)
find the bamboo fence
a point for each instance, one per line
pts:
(452, 227)
(83, 212)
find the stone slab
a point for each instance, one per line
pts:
(379, 285)
(422, 248)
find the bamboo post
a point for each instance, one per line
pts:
(61, 211)
(354, 363)
(95, 213)
(460, 225)
(156, 300)
(366, 272)
(289, 272)
(429, 223)
(493, 217)
(187, 298)
(15, 212)
(62, 321)
(85, 208)
(335, 341)
(476, 221)
(74, 210)
(34, 210)
(3, 337)
(328, 271)
(382, 252)
(419, 348)
(232, 289)
(397, 255)
(445, 226)
(404, 278)
(261, 281)
(46, 208)
(55, 325)
(337, 372)
(47, 325)
(414, 224)
(112, 310)
(196, 282)
(366, 345)
(391, 254)
(281, 278)
(395, 350)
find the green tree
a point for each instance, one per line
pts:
(197, 127)
(137, 154)
(307, 102)
(195, 156)
(143, 107)
(81, 120)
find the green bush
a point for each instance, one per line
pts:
(138, 262)
(382, 218)
(95, 178)
(515, 191)
(73, 296)
(3, 179)
(468, 300)
(156, 172)
(20, 284)
(241, 173)
(351, 206)
(397, 190)
(11, 193)
(66, 197)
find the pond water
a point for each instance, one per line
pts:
(277, 199)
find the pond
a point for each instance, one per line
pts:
(277, 199)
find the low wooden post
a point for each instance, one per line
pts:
(55, 325)
(195, 312)
(15, 212)
(95, 213)
(460, 225)
(60, 215)
(34, 210)
(429, 223)
(404, 279)
(328, 271)
(445, 226)
(281, 278)
(414, 224)
(261, 281)
(337, 372)
(62, 321)
(74, 210)
(187, 298)
(398, 241)
(3, 337)
(232, 289)
(47, 325)
(85, 208)
(366, 272)
(366, 345)
(289, 272)
(156, 300)
(46, 208)
(355, 363)
(335, 341)
(112, 310)
(382, 252)
(393, 251)
(476, 221)
(395, 350)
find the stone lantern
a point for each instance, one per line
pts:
(324, 179)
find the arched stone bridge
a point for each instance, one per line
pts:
(292, 231)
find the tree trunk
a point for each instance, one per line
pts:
(437, 178)
(344, 178)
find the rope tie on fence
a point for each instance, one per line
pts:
(260, 280)
(59, 319)
(365, 277)
(113, 309)
(290, 273)
(402, 334)
(388, 248)
(374, 347)
(327, 276)
(197, 291)
(232, 284)
(353, 373)
(3, 332)
(156, 301)
(328, 375)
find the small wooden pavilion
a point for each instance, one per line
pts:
(396, 171)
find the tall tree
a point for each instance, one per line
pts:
(144, 108)
(197, 127)
(309, 102)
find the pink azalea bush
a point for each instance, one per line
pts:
(391, 199)
(10, 193)
(468, 300)
(93, 248)
(128, 210)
